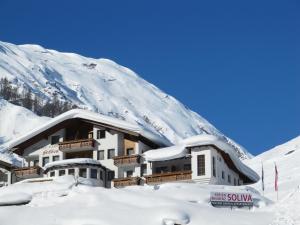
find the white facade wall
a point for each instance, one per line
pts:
(220, 165)
(42, 149)
(112, 140)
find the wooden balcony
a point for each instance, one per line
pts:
(77, 144)
(28, 171)
(168, 177)
(128, 181)
(126, 160)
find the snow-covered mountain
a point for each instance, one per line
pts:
(103, 86)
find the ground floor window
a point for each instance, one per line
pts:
(187, 167)
(62, 172)
(143, 169)
(229, 179)
(52, 173)
(129, 173)
(162, 169)
(201, 165)
(71, 172)
(223, 175)
(94, 173)
(82, 172)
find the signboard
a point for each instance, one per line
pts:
(231, 199)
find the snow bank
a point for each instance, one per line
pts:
(179, 151)
(16, 198)
(164, 204)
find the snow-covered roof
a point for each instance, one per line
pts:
(179, 151)
(77, 161)
(92, 116)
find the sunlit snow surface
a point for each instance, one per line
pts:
(60, 202)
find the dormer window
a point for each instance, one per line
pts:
(54, 139)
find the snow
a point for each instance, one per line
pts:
(287, 158)
(179, 151)
(16, 120)
(181, 203)
(88, 115)
(103, 86)
(162, 154)
(72, 161)
(15, 198)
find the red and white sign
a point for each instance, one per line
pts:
(231, 199)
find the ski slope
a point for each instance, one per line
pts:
(103, 86)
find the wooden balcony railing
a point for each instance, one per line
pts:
(168, 177)
(76, 144)
(128, 181)
(126, 160)
(28, 171)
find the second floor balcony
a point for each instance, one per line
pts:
(126, 160)
(82, 144)
(28, 172)
(169, 177)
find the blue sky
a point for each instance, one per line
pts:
(236, 63)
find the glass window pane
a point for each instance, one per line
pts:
(45, 160)
(82, 172)
(94, 173)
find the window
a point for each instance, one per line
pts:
(129, 173)
(82, 172)
(239, 183)
(110, 153)
(161, 169)
(101, 175)
(187, 167)
(52, 173)
(201, 165)
(62, 172)
(143, 169)
(223, 175)
(229, 179)
(129, 151)
(94, 173)
(100, 155)
(45, 160)
(100, 134)
(214, 166)
(110, 175)
(35, 162)
(54, 139)
(234, 182)
(71, 172)
(55, 158)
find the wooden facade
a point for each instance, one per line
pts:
(77, 144)
(168, 177)
(28, 171)
(126, 160)
(128, 181)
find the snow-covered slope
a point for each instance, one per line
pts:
(103, 86)
(287, 159)
(16, 120)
